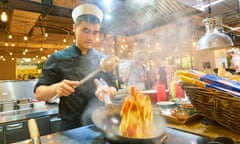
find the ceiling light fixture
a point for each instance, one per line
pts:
(202, 6)
(213, 38)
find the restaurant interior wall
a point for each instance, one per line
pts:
(203, 57)
(220, 58)
(8, 70)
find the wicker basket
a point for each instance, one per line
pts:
(216, 105)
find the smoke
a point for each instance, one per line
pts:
(169, 41)
(87, 115)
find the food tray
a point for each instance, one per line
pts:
(172, 119)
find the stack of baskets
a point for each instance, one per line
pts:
(222, 107)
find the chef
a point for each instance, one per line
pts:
(235, 60)
(63, 70)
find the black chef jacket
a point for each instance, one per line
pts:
(70, 64)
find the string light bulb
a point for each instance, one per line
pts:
(13, 44)
(46, 34)
(6, 43)
(64, 39)
(25, 38)
(4, 17)
(10, 36)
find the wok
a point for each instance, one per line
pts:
(108, 119)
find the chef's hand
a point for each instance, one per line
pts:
(66, 87)
(101, 90)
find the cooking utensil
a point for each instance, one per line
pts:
(108, 121)
(108, 103)
(34, 131)
(107, 64)
(102, 83)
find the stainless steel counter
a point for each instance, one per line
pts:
(14, 124)
(91, 135)
(27, 113)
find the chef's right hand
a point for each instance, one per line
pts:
(66, 87)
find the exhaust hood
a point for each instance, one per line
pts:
(213, 38)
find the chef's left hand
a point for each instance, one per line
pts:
(101, 90)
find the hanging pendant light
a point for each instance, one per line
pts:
(213, 38)
(4, 17)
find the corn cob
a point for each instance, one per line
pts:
(192, 81)
(186, 73)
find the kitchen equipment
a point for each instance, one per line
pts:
(102, 83)
(16, 90)
(16, 95)
(8, 105)
(108, 103)
(213, 39)
(24, 104)
(107, 64)
(166, 104)
(152, 94)
(34, 131)
(108, 121)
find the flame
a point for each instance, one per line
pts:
(137, 116)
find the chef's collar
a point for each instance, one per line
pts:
(79, 50)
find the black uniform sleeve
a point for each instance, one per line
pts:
(50, 73)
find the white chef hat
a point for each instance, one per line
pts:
(231, 50)
(87, 9)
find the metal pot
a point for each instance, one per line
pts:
(108, 119)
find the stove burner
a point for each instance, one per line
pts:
(24, 104)
(13, 105)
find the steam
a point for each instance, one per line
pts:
(93, 105)
(165, 42)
